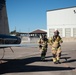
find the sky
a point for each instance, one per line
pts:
(29, 15)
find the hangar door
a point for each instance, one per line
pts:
(67, 32)
(51, 32)
(74, 32)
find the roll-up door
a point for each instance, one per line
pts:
(67, 32)
(51, 32)
(74, 32)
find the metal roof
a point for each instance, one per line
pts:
(61, 8)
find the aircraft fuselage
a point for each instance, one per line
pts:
(7, 39)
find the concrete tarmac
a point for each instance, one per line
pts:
(26, 61)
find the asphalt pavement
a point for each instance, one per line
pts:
(27, 61)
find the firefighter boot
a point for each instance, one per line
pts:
(42, 58)
(58, 60)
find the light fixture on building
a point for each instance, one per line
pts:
(75, 11)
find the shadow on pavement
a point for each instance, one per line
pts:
(21, 65)
(65, 57)
(70, 61)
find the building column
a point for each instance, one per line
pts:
(63, 32)
(71, 32)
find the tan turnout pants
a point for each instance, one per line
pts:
(56, 52)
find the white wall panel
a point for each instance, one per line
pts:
(62, 19)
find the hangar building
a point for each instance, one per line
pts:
(64, 20)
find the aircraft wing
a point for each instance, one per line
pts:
(18, 45)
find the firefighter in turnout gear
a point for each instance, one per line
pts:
(43, 45)
(40, 43)
(56, 47)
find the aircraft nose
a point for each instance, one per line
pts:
(18, 40)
